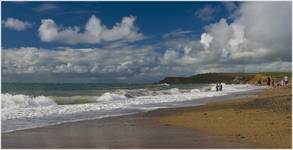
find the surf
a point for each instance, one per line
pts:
(24, 111)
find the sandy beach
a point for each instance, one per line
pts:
(260, 121)
(263, 119)
(146, 74)
(119, 132)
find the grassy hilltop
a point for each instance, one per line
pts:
(235, 78)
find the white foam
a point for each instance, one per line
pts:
(174, 91)
(21, 106)
(110, 97)
(194, 90)
(23, 101)
(164, 84)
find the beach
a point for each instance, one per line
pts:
(262, 120)
(164, 74)
(139, 131)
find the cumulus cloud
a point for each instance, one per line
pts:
(169, 57)
(206, 39)
(64, 62)
(259, 33)
(16, 24)
(258, 39)
(94, 32)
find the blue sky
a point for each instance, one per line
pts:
(141, 41)
(153, 18)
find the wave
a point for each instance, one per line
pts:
(164, 84)
(134, 92)
(194, 90)
(23, 101)
(146, 92)
(19, 106)
(10, 101)
(24, 111)
(174, 91)
(111, 96)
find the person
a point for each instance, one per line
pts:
(273, 82)
(282, 82)
(279, 84)
(286, 80)
(259, 82)
(217, 87)
(220, 87)
(269, 81)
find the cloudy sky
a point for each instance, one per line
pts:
(131, 42)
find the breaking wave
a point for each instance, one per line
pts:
(110, 97)
(23, 101)
(145, 92)
(23, 108)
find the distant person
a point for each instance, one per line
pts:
(269, 81)
(278, 84)
(220, 86)
(259, 82)
(286, 80)
(217, 87)
(273, 82)
(282, 82)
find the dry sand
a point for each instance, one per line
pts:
(263, 120)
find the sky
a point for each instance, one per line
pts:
(141, 42)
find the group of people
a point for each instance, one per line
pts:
(271, 82)
(219, 87)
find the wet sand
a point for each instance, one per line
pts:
(134, 131)
(215, 125)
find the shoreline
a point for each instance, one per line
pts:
(142, 130)
(192, 103)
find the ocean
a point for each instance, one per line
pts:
(30, 105)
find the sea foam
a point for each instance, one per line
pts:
(23, 101)
(110, 97)
(23, 107)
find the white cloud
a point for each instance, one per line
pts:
(16, 24)
(91, 63)
(206, 39)
(45, 7)
(259, 33)
(177, 33)
(206, 13)
(258, 39)
(170, 56)
(95, 32)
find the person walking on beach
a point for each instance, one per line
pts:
(286, 80)
(217, 87)
(282, 82)
(220, 86)
(259, 82)
(269, 81)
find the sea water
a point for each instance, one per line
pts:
(28, 105)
